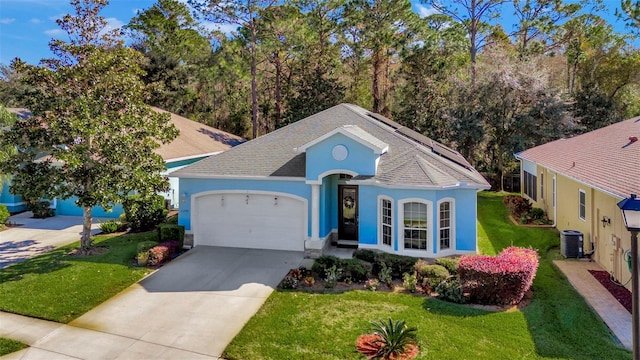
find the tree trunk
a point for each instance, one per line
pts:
(86, 243)
(278, 91)
(472, 51)
(254, 81)
(377, 63)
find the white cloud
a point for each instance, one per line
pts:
(424, 11)
(113, 23)
(7, 21)
(226, 29)
(54, 32)
(35, 21)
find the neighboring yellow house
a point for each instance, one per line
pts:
(579, 181)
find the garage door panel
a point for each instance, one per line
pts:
(261, 221)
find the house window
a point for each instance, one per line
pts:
(530, 185)
(582, 208)
(445, 225)
(415, 226)
(386, 219)
(541, 186)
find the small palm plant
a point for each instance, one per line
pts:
(390, 340)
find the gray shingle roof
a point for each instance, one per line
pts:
(407, 162)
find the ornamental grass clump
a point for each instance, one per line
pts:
(498, 280)
(390, 339)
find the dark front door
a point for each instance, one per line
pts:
(348, 212)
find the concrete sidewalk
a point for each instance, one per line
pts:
(37, 236)
(190, 308)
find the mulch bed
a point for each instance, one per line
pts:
(622, 294)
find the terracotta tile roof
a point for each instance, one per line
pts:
(195, 139)
(407, 161)
(607, 158)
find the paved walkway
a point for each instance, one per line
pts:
(617, 318)
(190, 308)
(37, 236)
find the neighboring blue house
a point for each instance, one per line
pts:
(195, 142)
(344, 175)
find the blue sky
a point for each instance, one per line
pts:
(26, 26)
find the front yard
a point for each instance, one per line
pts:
(60, 287)
(556, 324)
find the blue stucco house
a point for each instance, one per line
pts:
(195, 142)
(344, 175)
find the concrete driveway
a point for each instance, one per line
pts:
(190, 308)
(36, 236)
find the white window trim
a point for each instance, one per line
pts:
(580, 191)
(380, 233)
(452, 226)
(400, 232)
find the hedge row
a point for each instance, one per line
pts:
(355, 269)
(498, 280)
(397, 263)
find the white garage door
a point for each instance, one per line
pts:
(260, 221)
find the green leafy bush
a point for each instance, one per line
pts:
(146, 245)
(331, 275)
(168, 232)
(4, 215)
(356, 269)
(323, 263)
(409, 281)
(41, 209)
(385, 275)
(144, 213)
(451, 264)
(399, 264)
(366, 255)
(430, 275)
(451, 290)
(109, 226)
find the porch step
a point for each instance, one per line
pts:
(348, 243)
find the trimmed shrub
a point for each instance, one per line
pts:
(146, 245)
(498, 280)
(109, 226)
(41, 209)
(451, 290)
(399, 264)
(323, 263)
(168, 232)
(4, 215)
(173, 246)
(430, 276)
(143, 213)
(366, 255)
(356, 269)
(158, 255)
(451, 264)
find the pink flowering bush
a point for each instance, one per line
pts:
(498, 280)
(162, 252)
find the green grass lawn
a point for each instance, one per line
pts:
(557, 324)
(60, 287)
(8, 346)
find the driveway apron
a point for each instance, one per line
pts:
(190, 308)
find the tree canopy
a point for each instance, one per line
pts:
(91, 136)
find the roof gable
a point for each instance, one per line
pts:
(355, 133)
(607, 158)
